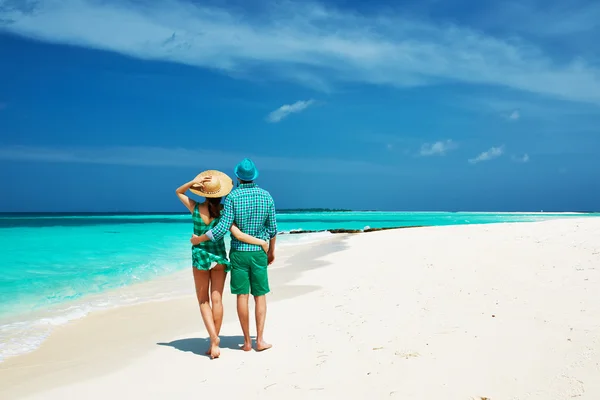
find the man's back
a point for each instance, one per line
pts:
(252, 209)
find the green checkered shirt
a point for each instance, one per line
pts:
(204, 254)
(253, 211)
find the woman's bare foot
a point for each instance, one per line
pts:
(215, 351)
(262, 345)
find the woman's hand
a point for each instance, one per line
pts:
(200, 181)
(265, 246)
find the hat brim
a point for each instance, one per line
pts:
(224, 179)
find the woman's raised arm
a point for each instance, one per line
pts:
(180, 191)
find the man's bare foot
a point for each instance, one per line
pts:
(262, 345)
(215, 351)
(247, 346)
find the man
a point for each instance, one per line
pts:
(252, 209)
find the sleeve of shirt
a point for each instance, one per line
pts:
(271, 221)
(219, 231)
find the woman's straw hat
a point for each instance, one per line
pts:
(219, 186)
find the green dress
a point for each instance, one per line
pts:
(206, 254)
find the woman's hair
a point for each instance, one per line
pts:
(214, 206)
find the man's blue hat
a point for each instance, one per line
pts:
(246, 170)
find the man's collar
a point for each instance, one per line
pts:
(247, 185)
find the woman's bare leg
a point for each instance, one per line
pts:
(201, 280)
(217, 283)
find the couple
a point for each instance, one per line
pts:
(249, 213)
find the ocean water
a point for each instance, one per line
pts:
(55, 268)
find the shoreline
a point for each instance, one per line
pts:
(34, 327)
(18, 372)
(495, 310)
(24, 333)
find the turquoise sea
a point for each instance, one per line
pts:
(54, 268)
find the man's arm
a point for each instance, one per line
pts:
(271, 225)
(271, 222)
(219, 231)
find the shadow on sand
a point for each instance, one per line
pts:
(200, 345)
(305, 260)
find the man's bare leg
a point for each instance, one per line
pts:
(261, 314)
(243, 315)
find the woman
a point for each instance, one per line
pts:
(209, 259)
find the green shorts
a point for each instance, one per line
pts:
(249, 272)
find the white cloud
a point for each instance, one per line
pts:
(522, 159)
(515, 115)
(305, 42)
(492, 153)
(437, 148)
(287, 109)
(180, 157)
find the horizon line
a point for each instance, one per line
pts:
(315, 209)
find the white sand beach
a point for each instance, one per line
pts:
(503, 311)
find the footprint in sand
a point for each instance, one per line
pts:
(407, 354)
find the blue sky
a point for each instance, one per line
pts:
(428, 105)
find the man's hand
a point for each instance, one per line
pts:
(270, 257)
(195, 240)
